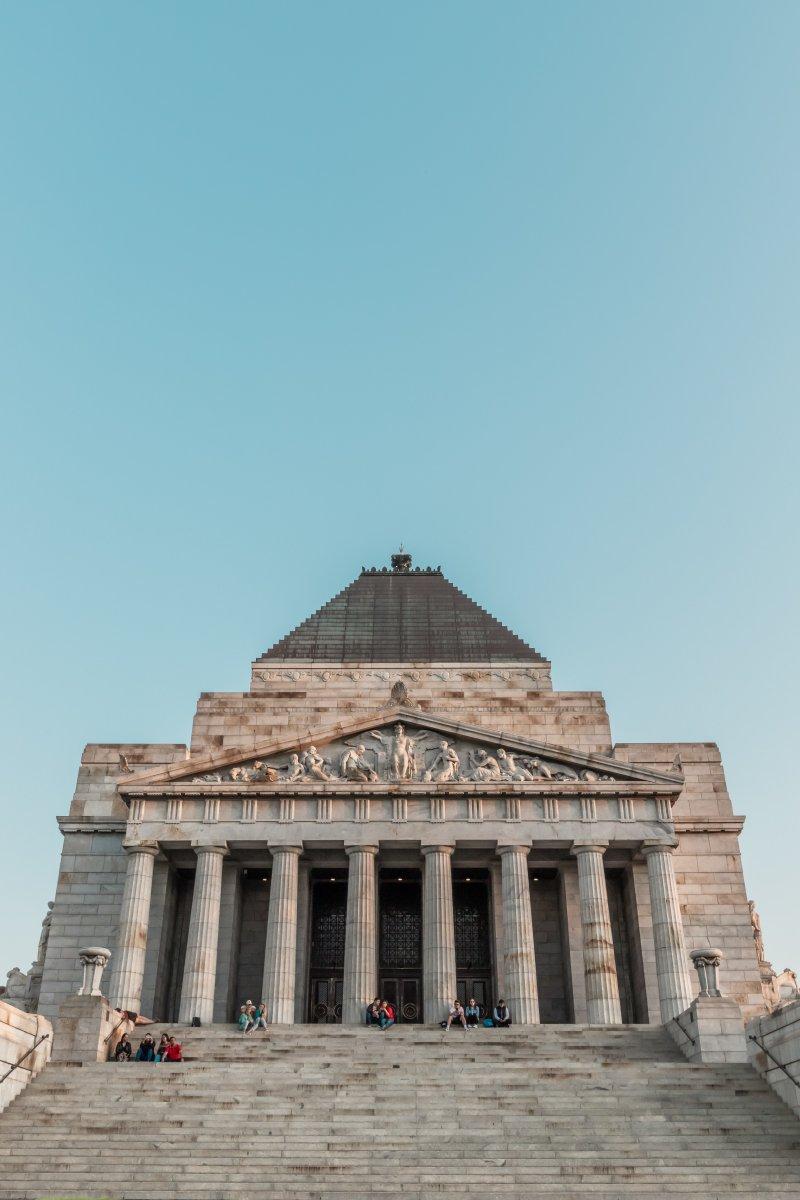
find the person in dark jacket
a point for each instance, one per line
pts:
(501, 1015)
(147, 1050)
(123, 1051)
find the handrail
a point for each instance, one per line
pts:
(27, 1053)
(126, 1016)
(779, 1065)
(677, 1021)
(779, 1028)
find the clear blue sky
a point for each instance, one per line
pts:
(284, 284)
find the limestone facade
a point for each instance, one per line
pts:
(300, 849)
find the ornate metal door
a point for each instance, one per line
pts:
(400, 950)
(328, 922)
(471, 914)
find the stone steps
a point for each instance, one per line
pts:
(573, 1112)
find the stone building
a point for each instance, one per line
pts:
(401, 805)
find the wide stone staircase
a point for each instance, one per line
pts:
(326, 1111)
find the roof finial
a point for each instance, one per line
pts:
(401, 561)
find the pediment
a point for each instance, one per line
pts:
(401, 747)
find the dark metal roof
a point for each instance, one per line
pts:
(402, 615)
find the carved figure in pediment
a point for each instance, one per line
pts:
(483, 767)
(537, 768)
(564, 774)
(211, 777)
(294, 769)
(511, 769)
(445, 767)
(315, 766)
(354, 766)
(402, 750)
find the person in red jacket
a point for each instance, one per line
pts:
(172, 1052)
(386, 1014)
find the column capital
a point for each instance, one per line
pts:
(141, 848)
(517, 848)
(426, 850)
(647, 848)
(582, 847)
(360, 850)
(220, 848)
(298, 850)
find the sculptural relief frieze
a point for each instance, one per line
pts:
(398, 753)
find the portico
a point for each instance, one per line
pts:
(423, 888)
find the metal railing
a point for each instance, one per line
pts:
(780, 1066)
(17, 1065)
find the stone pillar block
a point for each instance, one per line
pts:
(599, 964)
(361, 942)
(200, 967)
(87, 1030)
(438, 932)
(281, 947)
(519, 965)
(127, 974)
(672, 962)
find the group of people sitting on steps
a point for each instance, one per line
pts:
(252, 1017)
(470, 1017)
(167, 1050)
(382, 1013)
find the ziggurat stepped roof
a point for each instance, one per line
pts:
(402, 615)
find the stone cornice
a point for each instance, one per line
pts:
(732, 824)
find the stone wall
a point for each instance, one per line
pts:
(708, 865)
(779, 1032)
(284, 701)
(19, 1033)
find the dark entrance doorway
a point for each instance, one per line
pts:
(328, 921)
(400, 945)
(618, 908)
(471, 914)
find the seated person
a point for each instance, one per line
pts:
(456, 1014)
(473, 1013)
(260, 1016)
(386, 1014)
(147, 1049)
(501, 1015)
(161, 1047)
(374, 1012)
(173, 1051)
(123, 1050)
(247, 1017)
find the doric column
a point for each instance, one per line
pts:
(672, 962)
(519, 964)
(200, 968)
(361, 943)
(281, 948)
(127, 972)
(438, 932)
(600, 970)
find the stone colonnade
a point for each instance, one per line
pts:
(439, 956)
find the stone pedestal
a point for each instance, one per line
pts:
(87, 1030)
(711, 1030)
(600, 970)
(127, 973)
(672, 961)
(519, 965)
(361, 944)
(281, 947)
(200, 969)
(438, 932)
